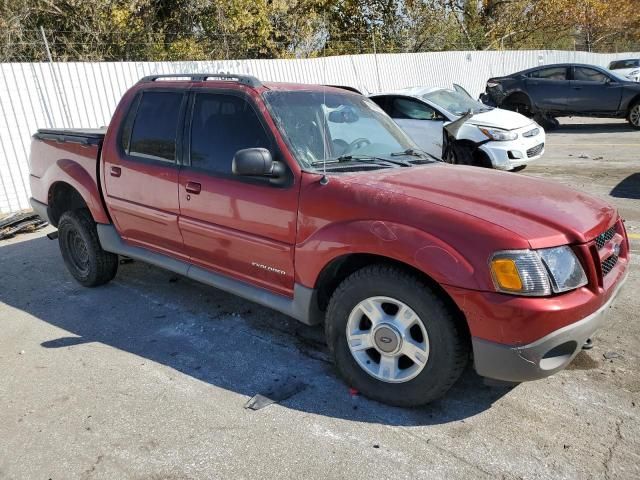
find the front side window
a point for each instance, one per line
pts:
(404, 108)
(155, 127)
(589, 75)
(221, 125)
(325, 125)
(554, 73)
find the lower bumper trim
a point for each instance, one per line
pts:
(42, 209)
(542, 358)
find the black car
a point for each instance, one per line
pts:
(566, 89)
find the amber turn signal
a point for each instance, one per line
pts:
(506, 274)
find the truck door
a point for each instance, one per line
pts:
(141, 179)
(242, 228)
(593, 91)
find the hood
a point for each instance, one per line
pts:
(544, 213)
(499, 118)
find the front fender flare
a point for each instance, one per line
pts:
(398, 242)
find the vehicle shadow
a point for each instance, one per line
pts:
(207, 334)
(589, 128)
(628, 188)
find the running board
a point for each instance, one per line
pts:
(302, 307)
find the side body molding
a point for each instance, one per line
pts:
(302, 306)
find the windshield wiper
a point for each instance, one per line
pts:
(362, 159)
(411, 152)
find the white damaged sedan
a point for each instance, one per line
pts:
(452, 126)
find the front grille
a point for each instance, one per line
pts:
(533, 151)
(603, 238)
(608, 264)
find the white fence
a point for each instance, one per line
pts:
(45, 95)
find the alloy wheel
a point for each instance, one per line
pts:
(634, 115)
(387, 339)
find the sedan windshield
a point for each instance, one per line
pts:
(323, 127)
(454, 102)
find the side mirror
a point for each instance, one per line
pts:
(257, 162)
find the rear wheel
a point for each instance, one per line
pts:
(83, 256)
(634, 116)
(393, 338)
(546, 121)
(518, 103)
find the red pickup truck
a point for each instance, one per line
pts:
(310, 200)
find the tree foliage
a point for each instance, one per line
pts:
(218, 29)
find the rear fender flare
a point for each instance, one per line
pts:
(72, 173)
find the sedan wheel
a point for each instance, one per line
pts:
(634, 116)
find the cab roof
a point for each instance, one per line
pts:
(246, 80)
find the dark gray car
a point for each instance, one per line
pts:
(566, 90)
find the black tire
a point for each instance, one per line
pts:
(449, 349)
(546, 121)
(519, 168)
(518, 103)
(634, 116)
(85, 259)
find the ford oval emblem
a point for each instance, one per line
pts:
(386, 339)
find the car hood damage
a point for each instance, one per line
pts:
(544, 213)
(499, 118)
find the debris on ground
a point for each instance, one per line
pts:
(22, 222)
(275, 394)
(611, 355)
(599, 158)
(583, 155)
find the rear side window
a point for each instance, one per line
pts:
(618, 64)
(555, 73)
(155, 127)
(589, 75)
(221, 125)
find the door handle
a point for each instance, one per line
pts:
(116, 171)
(193, 187)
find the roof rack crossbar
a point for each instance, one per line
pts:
(248, 80)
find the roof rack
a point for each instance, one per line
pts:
(248, 80)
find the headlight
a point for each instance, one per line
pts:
(537, 272)
(498, 134)
(492, 84)
(635, 72)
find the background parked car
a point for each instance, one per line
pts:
(629, 68)
(490, 137)
(566, 90)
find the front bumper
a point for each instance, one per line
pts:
(511, 154)
(542, 357)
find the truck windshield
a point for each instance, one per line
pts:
(327, 126)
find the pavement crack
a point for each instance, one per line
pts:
(609, 457)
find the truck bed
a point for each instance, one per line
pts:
(84, 136)
(60, 155)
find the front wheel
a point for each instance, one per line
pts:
(634, 116)
(85, 259)
(393, 338)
